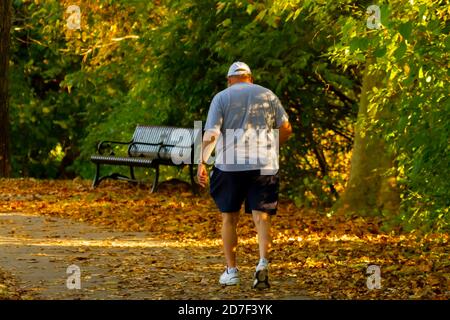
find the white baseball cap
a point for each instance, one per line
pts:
(238, 68)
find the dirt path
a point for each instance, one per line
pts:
(37, 251)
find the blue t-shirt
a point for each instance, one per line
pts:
(245, 115)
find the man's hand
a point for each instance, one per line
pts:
(208, 144)
(202, 175)
(285, 132)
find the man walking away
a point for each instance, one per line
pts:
(248, 113)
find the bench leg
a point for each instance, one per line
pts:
(155, 180)
(97, 176)
(134, 182)
(132, 173)
(116, 176)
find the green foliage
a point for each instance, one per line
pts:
(195, 47)
(161, 62)
(412, 49)
(43, 115)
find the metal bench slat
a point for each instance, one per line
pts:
(138, 161)
(157, 135)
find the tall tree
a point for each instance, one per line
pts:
(372, 187)
(400, 151)
(5, 40)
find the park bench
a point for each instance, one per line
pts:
(150, 147)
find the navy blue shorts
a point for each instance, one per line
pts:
(230, 189)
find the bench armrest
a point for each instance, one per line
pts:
(102, 144)
(161, 145)
(146, 144)
(132, 144)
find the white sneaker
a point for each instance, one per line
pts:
(261, 277)
(229, 278)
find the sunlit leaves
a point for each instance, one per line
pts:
(400, 51)
(359, 44)
(411, 49)
(380, 52)
(405, 29)
(322, 255)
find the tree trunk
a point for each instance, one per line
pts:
(323, 165)
(5, 29)
(370, 189)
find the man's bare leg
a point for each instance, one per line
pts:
(229, 237)
(262, 224)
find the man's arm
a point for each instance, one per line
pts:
(212, 131)
(208, 144)
(281, 119)
(285, 131)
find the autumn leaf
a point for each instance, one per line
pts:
(323, 256)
